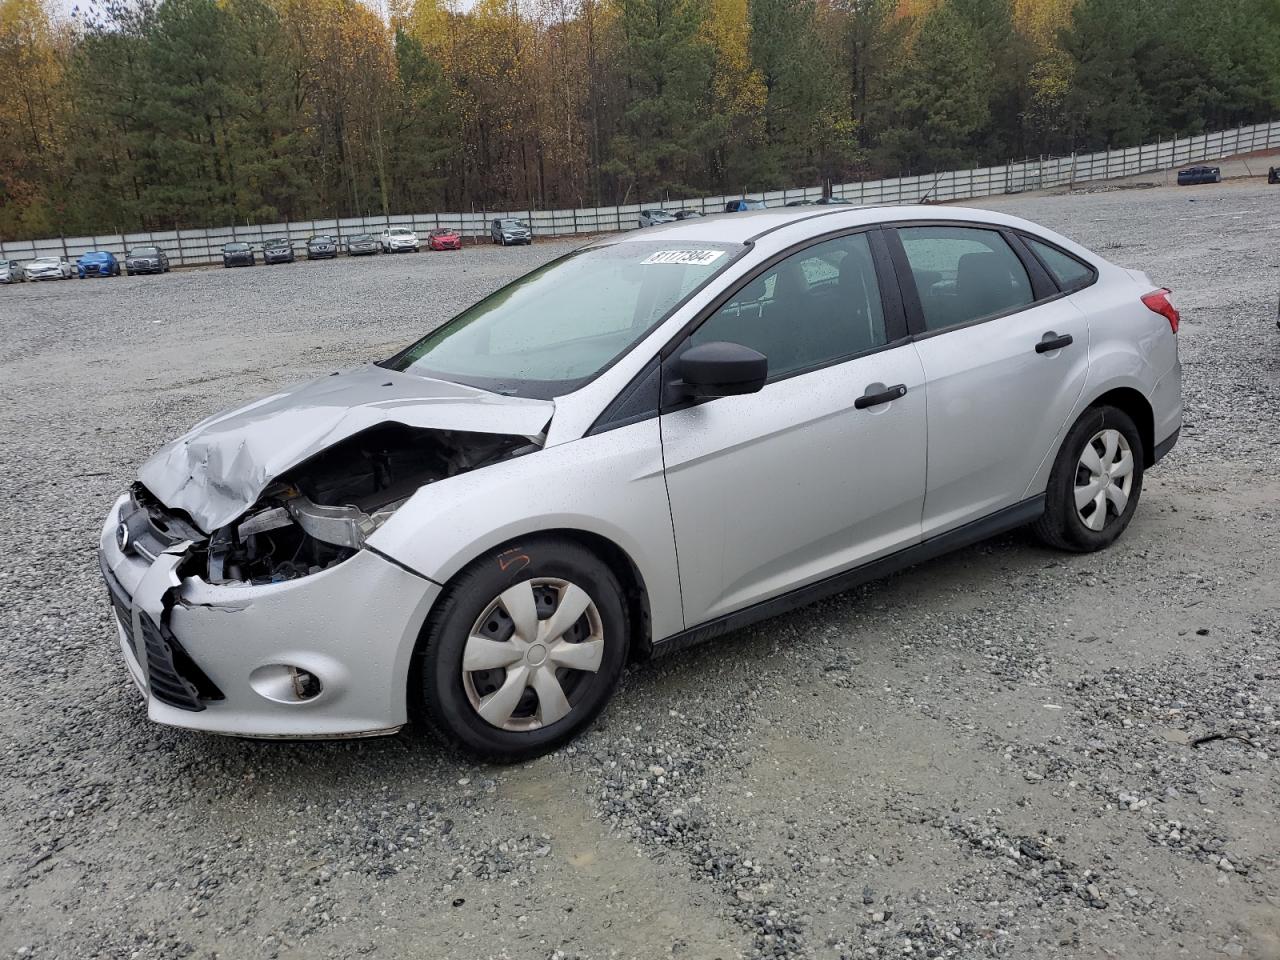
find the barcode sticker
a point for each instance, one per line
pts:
(696, 258)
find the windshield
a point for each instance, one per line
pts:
(400, 232)
(236, 247)
(322, 239)
(556, 328)
(361, 238)
(145, 252)
(512, 223)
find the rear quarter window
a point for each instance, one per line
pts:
(1071, 274)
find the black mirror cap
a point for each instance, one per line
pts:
(723, 369)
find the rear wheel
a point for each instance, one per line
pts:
(524, 650)
(1096, 482)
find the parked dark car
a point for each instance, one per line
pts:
(687, 214)
(146, 260)
(1193, 175)
(737, 206)
(363, 244)
(1273, 175)
(322, 247)
(505, 230)
(97, 263)
(279, 250)
(238, 255)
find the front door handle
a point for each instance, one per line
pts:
(1051, 341)
(870, 399)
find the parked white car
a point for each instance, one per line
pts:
(11, 272)
(50, 268)
(648, 442)
(399, 240)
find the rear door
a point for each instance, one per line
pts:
(1005, 356)
(821, 470)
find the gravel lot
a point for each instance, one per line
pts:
(995, 754)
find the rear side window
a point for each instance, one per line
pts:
(964, 274)
(1070, 273)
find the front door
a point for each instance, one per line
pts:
(780, 488)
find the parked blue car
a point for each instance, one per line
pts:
(98, 263)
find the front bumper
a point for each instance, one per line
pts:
(353, 626)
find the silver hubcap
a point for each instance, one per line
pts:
(1104, 479)
(532, 653)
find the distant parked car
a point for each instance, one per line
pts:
(322, 247)
(507, 230)
(49, 268)
(444, 239)
(238, 255)
(687, 214)
(1273, 175)
(98, 263)
(1193, 175)
(737, 206)
(279, 250)
(362, 244)
(399, 240)
(146, 260)
(651, 218)
(11, 272)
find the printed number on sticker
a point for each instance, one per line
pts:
(697, 258)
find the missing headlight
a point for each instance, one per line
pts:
(322, 512)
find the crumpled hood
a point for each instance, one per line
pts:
(220, 467)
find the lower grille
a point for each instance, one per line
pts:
(172, 676)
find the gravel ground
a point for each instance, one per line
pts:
(999, 753)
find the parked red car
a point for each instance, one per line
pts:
(444, 240)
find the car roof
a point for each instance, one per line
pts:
(746, 226)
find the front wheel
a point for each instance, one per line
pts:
(523, 650)
(1096, 482)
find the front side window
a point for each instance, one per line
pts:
(556, 328)
(964, 274)
(815, 307)
(1070, 273)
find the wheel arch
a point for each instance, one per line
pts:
(635, 592)
(1133, 403)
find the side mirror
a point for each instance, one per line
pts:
(722, 369)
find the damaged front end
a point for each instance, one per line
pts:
(321, 512)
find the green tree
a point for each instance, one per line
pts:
(939, 99)
(1107, 104)
(666, 75)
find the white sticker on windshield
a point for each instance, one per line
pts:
(697, 258)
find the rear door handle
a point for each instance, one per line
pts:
(1051, 341)
(870, 399)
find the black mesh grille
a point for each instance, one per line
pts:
(172, 675)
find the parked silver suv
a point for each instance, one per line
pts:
(646, 443)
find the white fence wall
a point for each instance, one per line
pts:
(193, 247)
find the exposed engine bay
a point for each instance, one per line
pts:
(320, 512)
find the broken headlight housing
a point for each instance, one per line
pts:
(325, 509)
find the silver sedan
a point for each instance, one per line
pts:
(649, 442)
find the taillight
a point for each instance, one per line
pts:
(1157, 301)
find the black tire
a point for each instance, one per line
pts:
(1061, 525)
(437, 688)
